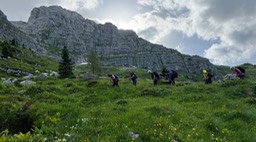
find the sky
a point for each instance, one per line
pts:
(224, 31)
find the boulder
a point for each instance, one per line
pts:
(28, 77)
(9, 80)
(43, 75)
(54, 74)
(27, 82)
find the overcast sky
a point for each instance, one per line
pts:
(223, 31)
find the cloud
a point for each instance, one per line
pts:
(231, 22)
(77, 4)
(150, 26)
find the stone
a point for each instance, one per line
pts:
(27, 82)
(229, 76)
(54, 74)
(42, 75)
(8, 80)
(28, 77)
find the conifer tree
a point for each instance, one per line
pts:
(7, 51)
(14, 42)
(93, 62)
(65, 65)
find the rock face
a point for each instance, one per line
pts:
(54, 27)
(9, 32)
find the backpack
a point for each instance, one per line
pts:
(116, 77)
(175, 74)
(157, 76)
(210, 75)
(135, 76)
(241, 69)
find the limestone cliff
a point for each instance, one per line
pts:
(9, 32)
(54, 27)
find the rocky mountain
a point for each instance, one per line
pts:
(54, 27)
(9, 32)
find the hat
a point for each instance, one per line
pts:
(149, 71)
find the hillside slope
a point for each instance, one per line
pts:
(24, 62)
(55, 109)
(76, 110)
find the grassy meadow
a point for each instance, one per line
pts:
(79, 110)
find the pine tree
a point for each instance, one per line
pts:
(7, 50)
(65, 65)
(93, 62)
(14, 42)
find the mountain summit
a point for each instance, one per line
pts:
(54, 27)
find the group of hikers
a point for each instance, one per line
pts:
(115, 79)
(171, 74)
(237, 71)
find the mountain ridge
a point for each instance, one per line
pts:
(9, 32)
(54, 27)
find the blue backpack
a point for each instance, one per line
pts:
(174, 73)
(116, 77)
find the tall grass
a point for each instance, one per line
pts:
(75, 110)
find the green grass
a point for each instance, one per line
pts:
(70, 109)
(77, 110)
(27, 61)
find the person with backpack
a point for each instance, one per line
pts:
(114, 79)
(172, 75)
(155, 77)
(239, 71)
(165, 73)
(207, 77)
(133, 77)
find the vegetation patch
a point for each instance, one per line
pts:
(160, 111)
(153, 92)
(14, 120)
(251, 101)
(92, 83)
(34, 90)
(122, 102)
(92, 100)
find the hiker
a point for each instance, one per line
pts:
(114, 79)
(165, 73)
(239, 71)
(155, 77)
(172, 75)
(133, 77)
(207, 77)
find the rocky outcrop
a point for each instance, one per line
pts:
(9, 32)
(54, 27)
(15, 72)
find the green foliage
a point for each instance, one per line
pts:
(26, 61)
(94, 63)
(65, 65)
(14, 42)
(7, 50)
(75, 110)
